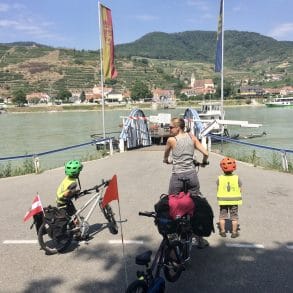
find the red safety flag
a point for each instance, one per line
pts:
(109, 70)
(111, 192)
(35, 209)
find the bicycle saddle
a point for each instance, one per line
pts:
(144, 258)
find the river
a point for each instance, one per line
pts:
(28, 133)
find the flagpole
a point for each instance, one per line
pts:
(101, 69)
(222, 67)
(123, 246)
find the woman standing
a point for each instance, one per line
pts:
(182, 145)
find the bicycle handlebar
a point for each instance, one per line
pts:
(95, 188)
(195, 162)
(200, 164)
(181, 220)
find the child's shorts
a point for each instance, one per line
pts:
(233, 210)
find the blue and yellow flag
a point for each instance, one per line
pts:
(218, 62)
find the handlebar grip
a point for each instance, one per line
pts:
(147, 214)
(199, 164)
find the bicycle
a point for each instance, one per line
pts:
(76, 225)
(167, 258)
(184, 231)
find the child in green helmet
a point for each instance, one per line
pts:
(69, 187)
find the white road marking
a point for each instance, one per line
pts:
(233, 245)
(36, 241)
(125, 242)
(20, 241)
(244, 245)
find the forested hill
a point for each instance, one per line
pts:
(159, 59)
(240, 47)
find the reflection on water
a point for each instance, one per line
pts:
(29, 133)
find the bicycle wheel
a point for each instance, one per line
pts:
(108, 213)
(51, 245)
(173, 265)
(137, 286)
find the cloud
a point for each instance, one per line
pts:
(283, 31)
(25, 26)
(200, 4)
(146, 17)
(236, 8)
(4, 7)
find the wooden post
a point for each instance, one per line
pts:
(209, 143)
(204, 142)
(284, 162)
(111, 146)
(121, 145)
(36, 164)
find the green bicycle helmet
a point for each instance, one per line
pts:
(73, 168)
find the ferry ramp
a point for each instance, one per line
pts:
(258, 261)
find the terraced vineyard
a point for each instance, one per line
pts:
(34, 67)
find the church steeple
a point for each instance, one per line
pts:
(192, 80)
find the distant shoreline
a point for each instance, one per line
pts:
(143, 106)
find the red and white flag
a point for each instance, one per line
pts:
(35, 209)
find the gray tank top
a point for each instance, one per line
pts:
(182, 154)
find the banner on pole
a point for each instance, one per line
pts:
(218, 62)
(109, 70)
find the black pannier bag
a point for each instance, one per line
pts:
(38, 221)
(165, 223)
(202, 220)
(57, 220)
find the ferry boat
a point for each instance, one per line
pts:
(210, 110)
(281, 102)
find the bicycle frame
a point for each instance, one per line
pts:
(95, 199)
(157, 263)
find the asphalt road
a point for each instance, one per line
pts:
(260, 260)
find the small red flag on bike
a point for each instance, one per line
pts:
(111, 192)
(35, 209)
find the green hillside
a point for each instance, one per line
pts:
(240, 47)
(159, 59)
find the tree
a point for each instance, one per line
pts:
(178, 87)
(140, 91)
(82, 96)
(228, 90)
(110, 81)
(19, 97)
(64, 95)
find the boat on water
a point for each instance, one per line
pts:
(281, 102)
(210, 110)
(252, 135)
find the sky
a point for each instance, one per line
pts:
(74, 23)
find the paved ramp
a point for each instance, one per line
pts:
(258, 261)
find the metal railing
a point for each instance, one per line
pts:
(36, 156)
(283, 152)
